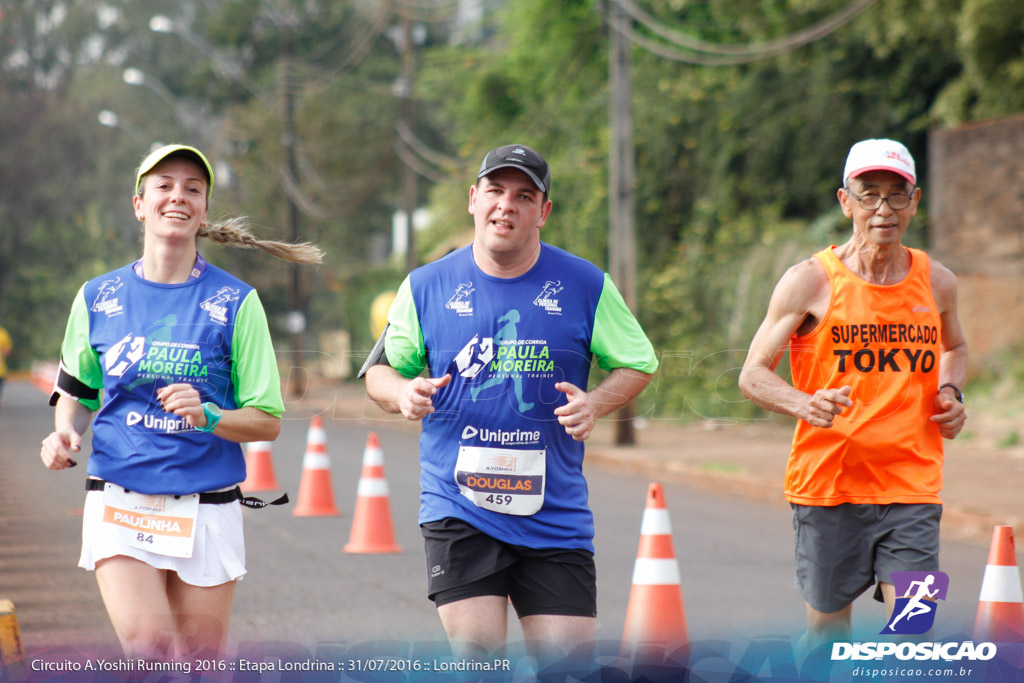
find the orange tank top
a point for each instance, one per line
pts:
(884, 341)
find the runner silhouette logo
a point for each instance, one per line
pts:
(914, 612)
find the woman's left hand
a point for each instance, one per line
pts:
(184, 401)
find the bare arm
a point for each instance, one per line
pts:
(585, 407)
(949, 413)
(239, 425)
(801, 295)
(413, 398)
(71, 420)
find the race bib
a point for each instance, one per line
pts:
(505, 480)
(164, 525)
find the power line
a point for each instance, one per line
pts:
(724, 54)
(411, 140)
(353, 53)
(426, 10)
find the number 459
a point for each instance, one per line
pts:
(499, 499)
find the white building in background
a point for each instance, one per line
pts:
(421, 219)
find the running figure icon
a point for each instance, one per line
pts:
(507, 333)
(915, 606)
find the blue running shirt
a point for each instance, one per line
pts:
(129, 337)
(494, 438)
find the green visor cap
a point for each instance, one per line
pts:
(158, 155)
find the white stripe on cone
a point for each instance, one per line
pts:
(655, 572)
(1001, 584)
(373, 487)
(373, 456)
(316, 461)
(655, 522)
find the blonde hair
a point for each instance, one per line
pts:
(235, 232)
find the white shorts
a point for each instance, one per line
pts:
(217, 557)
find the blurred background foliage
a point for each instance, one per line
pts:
(737, 164)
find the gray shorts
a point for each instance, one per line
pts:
(842, 550)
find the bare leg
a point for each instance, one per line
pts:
(202, 615)
(564, 632)
(135, 595)
(476, 627)
(889, 598)
(823, 628)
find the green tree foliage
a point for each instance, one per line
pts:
(737, 166)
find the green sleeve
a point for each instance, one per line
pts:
(404, 343)
(253, 363)
(79, 359)
(618, 341)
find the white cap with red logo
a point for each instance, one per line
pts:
(879, 155)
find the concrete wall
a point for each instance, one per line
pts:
(975, 202)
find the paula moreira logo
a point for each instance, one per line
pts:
(914, 612)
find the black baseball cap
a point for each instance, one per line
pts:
(522, 158)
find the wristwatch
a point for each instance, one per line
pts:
(213, 414)
(956, 391)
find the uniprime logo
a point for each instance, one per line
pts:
(914, 613)
(515, 437)
(168, 425)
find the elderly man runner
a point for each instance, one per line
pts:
(878, 361)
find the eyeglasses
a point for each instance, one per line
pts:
(871, 202)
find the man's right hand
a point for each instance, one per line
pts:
(417, 398)
(825, 404)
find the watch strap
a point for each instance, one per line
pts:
(213, 413)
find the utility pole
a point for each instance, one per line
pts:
(621, 182)
(297, 316)
(409, 185)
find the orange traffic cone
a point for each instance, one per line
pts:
(316, 497)
(655, 614)
(372, 530)
(259, 468)
(1001, 606)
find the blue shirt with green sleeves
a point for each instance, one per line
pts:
(128, 337)
(506, 343)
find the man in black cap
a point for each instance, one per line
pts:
(507, 329)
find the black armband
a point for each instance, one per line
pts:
(69, 385)
(377, 355)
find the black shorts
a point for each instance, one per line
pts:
(463, 562)
(841, 550)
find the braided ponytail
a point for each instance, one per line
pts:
(235, 232)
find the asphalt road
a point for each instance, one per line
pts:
(304, 591)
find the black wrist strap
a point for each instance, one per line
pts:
(956, 391)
